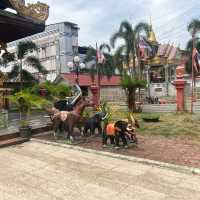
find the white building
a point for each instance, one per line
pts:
(57, 46)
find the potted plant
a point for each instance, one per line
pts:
(25, 102)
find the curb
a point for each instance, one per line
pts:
(178, 168)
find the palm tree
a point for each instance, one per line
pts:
(22, 59)
(6, 58)
(128, 52)
(130, 85)
(194, 27)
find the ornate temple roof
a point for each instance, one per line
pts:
(5, 4)
(38, 12)
(164, 53)
(152, 35)
(30, 19)
(14, 27)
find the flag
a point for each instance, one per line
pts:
(100, 57)
(145, 48)
(143, 44)
(142, 53)
(196, 60)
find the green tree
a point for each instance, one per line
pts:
(27, 101)
(193, 29)
(127, 53)
(53, 91)
(130, 85)
(22, 59)
(129, 50)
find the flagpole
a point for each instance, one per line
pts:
(192, 98)
(98, 77)
(139, 64)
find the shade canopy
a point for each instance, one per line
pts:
(14, 27)
(5, 4)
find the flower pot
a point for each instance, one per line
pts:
(43, 92)
(25, 132)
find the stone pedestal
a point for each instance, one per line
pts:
(95, 94)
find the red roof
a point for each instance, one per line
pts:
(85, 79)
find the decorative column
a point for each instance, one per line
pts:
(148, 81)
(167, 79)
(179, 83)
(95, 94)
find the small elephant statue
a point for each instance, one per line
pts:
(94, 123)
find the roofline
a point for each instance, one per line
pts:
(65, 22)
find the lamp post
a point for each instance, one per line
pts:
(76, 65)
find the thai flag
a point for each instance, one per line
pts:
(143, 44)
(196, 60)
(100, 57)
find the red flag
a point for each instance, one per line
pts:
(196, 60)
(100, 57)
(142, 53)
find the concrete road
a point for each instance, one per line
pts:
(40, 171)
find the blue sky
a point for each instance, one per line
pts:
(99, 19)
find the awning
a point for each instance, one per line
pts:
(14, 27)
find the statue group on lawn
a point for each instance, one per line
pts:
(67, 114)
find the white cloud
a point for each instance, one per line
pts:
(99, 19)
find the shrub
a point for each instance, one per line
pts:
(151, 118)
(52, 90)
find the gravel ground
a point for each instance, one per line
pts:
(175, 151)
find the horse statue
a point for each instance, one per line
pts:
(68, 119)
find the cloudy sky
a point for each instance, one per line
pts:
(99, 19)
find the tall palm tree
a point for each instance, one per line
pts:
(129, 50)
(194, 27)
(22, 59)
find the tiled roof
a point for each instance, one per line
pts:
(85, 79)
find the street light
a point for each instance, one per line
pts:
(76, 65)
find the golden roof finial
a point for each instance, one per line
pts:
(150, 22)
(152, 36)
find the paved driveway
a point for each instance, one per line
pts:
(40, 171)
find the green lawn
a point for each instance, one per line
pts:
(183, 125)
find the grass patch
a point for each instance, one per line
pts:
(170, 125)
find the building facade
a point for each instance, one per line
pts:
(57, 46)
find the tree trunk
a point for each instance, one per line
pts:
(21, 84)
(133, 70)
(131, 99)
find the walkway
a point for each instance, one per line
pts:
(36, 119)
(40, 171)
